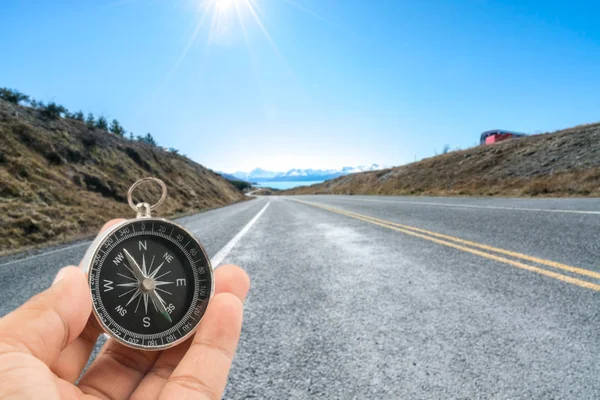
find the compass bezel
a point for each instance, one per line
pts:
(87, 264)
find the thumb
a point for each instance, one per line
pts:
(49, 321)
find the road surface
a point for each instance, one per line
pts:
(366, 297)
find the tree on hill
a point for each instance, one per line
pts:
(90, 121)
(101, 123)
(13, 96)
(78, 116)
(149, 139)
(116, 128)
(53, 110)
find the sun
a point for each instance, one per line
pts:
(223, 6)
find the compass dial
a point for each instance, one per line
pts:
(151, 282)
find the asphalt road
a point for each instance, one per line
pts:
(367, 297)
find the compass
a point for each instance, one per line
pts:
(150, 279)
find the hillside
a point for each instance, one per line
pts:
(60, 180)
(563, 163)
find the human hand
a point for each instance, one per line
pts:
(46, 343)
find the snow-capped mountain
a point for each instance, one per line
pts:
(256, 173)
(296, 174)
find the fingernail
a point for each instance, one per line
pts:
(61, 274)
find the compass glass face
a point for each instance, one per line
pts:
(150, 282)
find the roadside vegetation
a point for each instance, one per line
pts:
(242, 185)
(53, 111)
(62, 174)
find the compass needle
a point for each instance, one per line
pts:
(154, 303)
(135, 268)
(147, 260)
(160, 305)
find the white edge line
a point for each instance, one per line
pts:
(427, 203)
(45, 254)
(220, 256)
(33, 257)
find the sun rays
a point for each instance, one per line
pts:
(218, 20)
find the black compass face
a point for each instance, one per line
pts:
(151, 282)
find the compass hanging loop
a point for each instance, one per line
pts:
(144, 209)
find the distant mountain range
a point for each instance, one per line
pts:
(295, 175)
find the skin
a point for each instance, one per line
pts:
(45, 344)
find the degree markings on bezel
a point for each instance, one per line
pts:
(197, 303)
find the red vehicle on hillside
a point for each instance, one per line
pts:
(497, 135)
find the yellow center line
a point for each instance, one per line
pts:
(553, 264)
(414, 232)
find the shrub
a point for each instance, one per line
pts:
(446, 149)
(13, 96)
(173, 150)
(53, 110)
(241, 185)
(116, 128)
(101, 123)
(78, 116)
(90, 121)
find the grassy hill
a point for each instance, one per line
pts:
(61, 180)
(563, 163)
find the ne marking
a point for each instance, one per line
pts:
(220, 256)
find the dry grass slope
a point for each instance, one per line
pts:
(60, 181)
(563, 163)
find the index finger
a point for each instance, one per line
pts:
(48, 322)
(70, 362)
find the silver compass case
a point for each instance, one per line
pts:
(150, 279)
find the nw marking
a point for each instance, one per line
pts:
(118, 258)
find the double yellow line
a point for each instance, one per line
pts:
(491, 253)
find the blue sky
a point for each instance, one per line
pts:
(321, 84)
